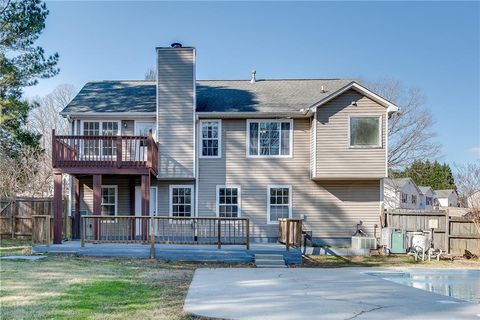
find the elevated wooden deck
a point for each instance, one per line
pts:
(74, 154)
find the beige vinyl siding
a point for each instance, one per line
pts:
(128, 127)
(86, 193)
(335, 159)
(175, 96)
(331, 208)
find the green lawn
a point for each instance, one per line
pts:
(61, 287)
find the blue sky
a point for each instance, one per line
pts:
(431, 45)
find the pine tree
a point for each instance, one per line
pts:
(436, 175)
(21, 65)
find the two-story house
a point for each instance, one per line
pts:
(260, 149)
(402, 193)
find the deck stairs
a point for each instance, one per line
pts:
(269, 261)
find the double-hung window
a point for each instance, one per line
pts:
(269, 138)
(228, 201)
(279, 203)
(109, 200)
(211, 133)
(414, 199)
(365, 131)
(404, 197)
(181, 200)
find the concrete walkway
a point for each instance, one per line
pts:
(207, 253)
(346, 293)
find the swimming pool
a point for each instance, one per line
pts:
(460, 284)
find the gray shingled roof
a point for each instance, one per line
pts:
(424, 189)
(114, 96)
(397, 182)
(444, 193)
(212, 95)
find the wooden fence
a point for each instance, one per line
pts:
(453, 235)
(28, 218)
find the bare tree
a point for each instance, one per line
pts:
(410, 134)
(47, 116)
(467, 178)
(26, 175)
(30, 174)
(151, 74)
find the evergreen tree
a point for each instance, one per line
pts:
(21, 65)
(433, 174)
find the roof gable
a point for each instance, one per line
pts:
(359, 88)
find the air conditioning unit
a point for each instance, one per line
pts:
(364, 243)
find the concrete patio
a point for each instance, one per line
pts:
(210, 253)
(346, 293)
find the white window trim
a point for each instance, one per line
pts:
(116, 196)
(273, 186)
(290, 155)
(100, 125)
(380, 131)
(170, 198)
(119, 126)
(200, 139)
(239, 196)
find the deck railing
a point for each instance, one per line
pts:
(171, 230)
(104, 151)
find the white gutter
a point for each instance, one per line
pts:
(253, 115)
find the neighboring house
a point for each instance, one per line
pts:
(259, 149)
(427, 197)
(401, 193)
(446, 198)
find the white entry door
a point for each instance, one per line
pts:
(153, 201)
(138, 205)
(142, 128)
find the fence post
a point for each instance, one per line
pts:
(248, 234)
(33, 229)
(13, 225)
(447, 231)
(48, 230)
(82, 231)
(152, 238)
(287, 241)
(219, 233)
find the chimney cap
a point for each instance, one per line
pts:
(254, 78)
(176, 45)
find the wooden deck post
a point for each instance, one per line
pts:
(152, 238)
(131, 193)
(97, 204)
(287, 241)
(76, 234)
(82, 232)
(219, 233)
(145, 190)
(57, 208)
(248, 234)
(119, 151)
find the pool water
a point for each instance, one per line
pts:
(460, 284)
